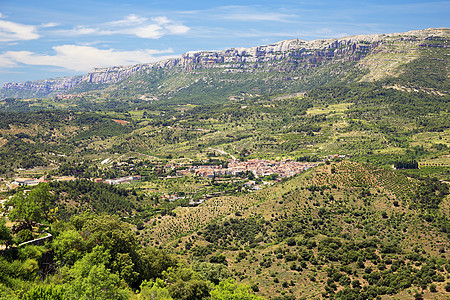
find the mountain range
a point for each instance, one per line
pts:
(236, 73)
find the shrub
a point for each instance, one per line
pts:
(24, 235)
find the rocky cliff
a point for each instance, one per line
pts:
(112, 74)
(287, 55)
(63, 84)
(43, 87)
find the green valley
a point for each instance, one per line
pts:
(318, 173)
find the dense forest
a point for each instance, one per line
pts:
(98, 257)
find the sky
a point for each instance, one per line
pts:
(47, 39)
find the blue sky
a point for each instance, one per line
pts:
(47, 39)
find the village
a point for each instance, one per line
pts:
(252, 168)
(258, 167)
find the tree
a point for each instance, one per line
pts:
(212, 272)
(154, 290)
(189, 290)
(69, 246)
(152, 262)
(106, 230)
(89, 278)
(34, 207)
(124, 266)
(125, 257)
(39, 292)
(5, 234)
(184, 283)
(24, 209)
(229, 290)
(44, 199)
(99, 283)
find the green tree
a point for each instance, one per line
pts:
(189, 290)
(24, 235)
(186, 284)
(125, 256)
(43, 292)
(7, 293)
(81, 268)
(152, 262)
(212, 272)
(154, 290)
(69, 246)
(229, 290)
(44, 199)
(106, 230)
(34, 207)
(99, 283)
(5, 234)
(124, 266)
(89, 278)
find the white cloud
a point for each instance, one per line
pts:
(177, 29)
(82, 58)
(161, 20)
(10, 31)
(80, 30)
(251, 17)
(152, 31)
(252, 14)
(130, 20)
(7, 62)
(160, 27)
(49, 25)
(142, 27)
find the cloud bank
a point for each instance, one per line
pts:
(82, 58)
(153, 28)
(10, 31)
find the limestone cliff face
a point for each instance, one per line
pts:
(285, 51)
(97, 76)
(246, 58)
(112, 74)
(44, 86)
(282, 56)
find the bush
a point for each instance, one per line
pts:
(447, 287)
(24, 235)
(291, 242)
(218, 259)
(45, 292)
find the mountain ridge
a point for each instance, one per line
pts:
(293, 55)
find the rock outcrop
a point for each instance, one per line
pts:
(112, 74)
(44, 86)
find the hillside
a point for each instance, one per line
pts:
(319, 232)
(342, 230)
(370, 122)
(236, 73)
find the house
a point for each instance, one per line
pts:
(123, 179)
(26, 181)
(66, 178)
